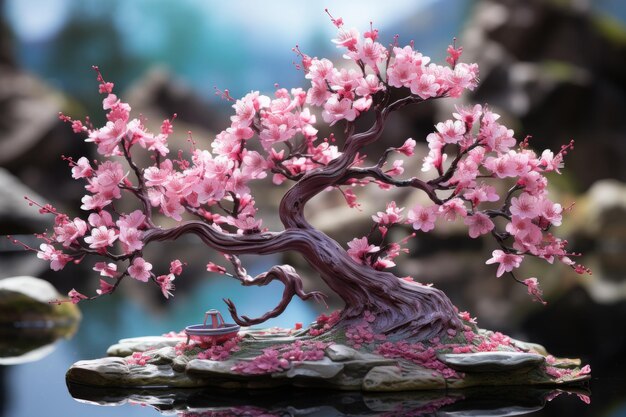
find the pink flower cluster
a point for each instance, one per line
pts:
(221, 352)
(324, 323)
(362, 334)
(281, 358)
(138, 358)
(564, 373)
(412, 70)
(304, 351)
(268, 362)
(345, 93)
(419, 354)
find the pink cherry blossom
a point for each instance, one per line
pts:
(534, 290)
(157, 175)
(479, 224)
(390, 216)
(135, 219)
(482, 193)
(101, 237)
(320, 69)
(502, 166)
(57, 259)
(166, 285)
(493, 135)
(109, 137)
(507, 261)
(69, 231)
(550, 162)
(140, 269)
(75, 296)
(425, 86)
(452, 209)
(269, 361)
(348, 39)
(336, 110)
(423, 218)
(131, 239)
(525, 206)
(451, 131)
(551, 212)
(105, 288)
(82, 169)
(106, 269)
(396, 168)
(176, 267)
(102, 218)
(360, 248)
(468, 115)
(106, 180)
(408, 147)
(95, 202)
(368, 86)
(533, 182)
(436, 157)
(371, 53)
(211, 267)
(463, 77)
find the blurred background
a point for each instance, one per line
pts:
(553, 69)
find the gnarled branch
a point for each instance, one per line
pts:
(378, 174)
(283, 273)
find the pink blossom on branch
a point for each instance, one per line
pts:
(359, 248)
(507, 261)
(101, 237)
(106, 270)
(57, 259)
(534, 290)
(479, 224)
(75, 296)
(105, 288)
(140, 270)
(423, 218)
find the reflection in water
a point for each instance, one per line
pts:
(491, 401)
(30, 344)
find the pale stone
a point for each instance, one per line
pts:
(127, 347)
(208, 368)
(323, 369)
(392, 378)
(340, 353)
(164, 356)
(363, 366)
(179, 364)
(491, 361)
(104, 371)
(530, 347)
(116, 372)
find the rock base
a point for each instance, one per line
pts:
(277, 358)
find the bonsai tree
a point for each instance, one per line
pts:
(207, 192)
